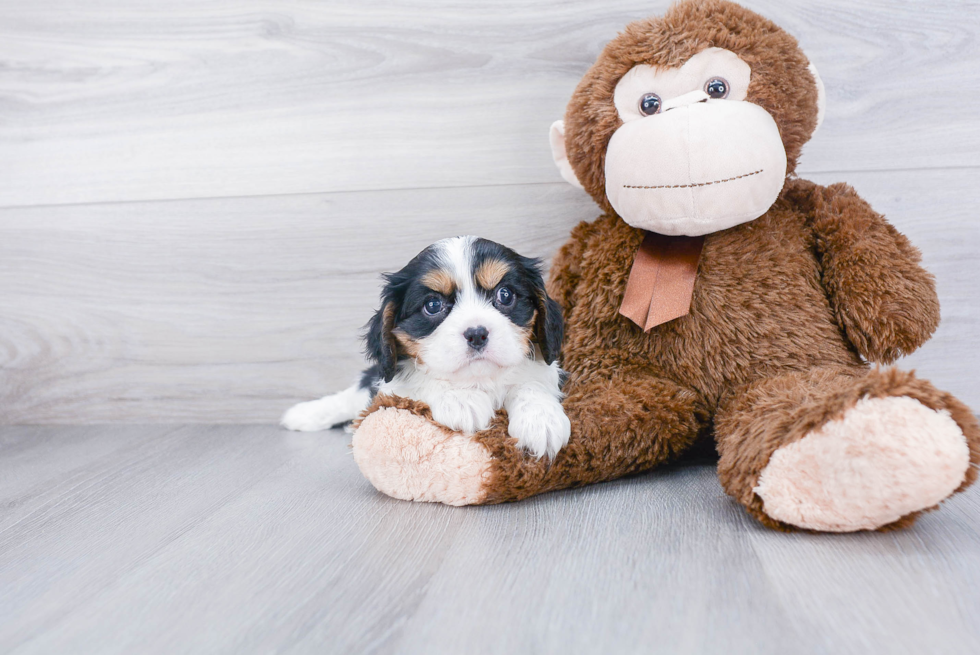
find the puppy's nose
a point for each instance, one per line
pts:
(476, 337)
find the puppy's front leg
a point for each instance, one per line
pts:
(466, 410)
(537, 420)
(328, 411)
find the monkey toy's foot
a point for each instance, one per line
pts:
(405, 455)
(841, 450)
(876, 464)
(884, 459)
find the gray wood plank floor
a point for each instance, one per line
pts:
(238, 539)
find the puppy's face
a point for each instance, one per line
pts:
(464, 308)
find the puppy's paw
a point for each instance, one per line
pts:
(541, 428)
(311, 416)
(326, 412)
(462, 410)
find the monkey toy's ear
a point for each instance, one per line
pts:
(557, 137)
(379, 341)
(821, 95)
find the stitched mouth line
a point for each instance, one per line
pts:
(688, 186)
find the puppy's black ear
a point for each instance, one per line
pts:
(380, 342)
(549, 327)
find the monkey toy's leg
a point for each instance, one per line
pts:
(620, 426)
(844, 449)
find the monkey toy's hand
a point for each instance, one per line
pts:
(882, 297)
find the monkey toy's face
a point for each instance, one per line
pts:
(692, 156)
(689, 145)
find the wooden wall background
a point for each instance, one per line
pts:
(197, 196)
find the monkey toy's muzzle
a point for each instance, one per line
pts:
(698, 166)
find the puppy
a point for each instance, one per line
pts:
(467, 328)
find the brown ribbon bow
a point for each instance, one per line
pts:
(661, 281)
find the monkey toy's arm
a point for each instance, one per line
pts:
(566, 267)
(884, 300)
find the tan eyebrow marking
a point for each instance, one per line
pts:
(440, 281)
(491, 272)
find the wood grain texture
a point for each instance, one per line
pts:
(228, 311)
(196, 199)
(230, 539)
(130, 100)
(222, 310)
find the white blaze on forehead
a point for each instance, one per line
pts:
(456, 256)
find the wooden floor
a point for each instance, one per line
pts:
(240, 539)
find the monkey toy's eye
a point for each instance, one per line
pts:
(505, 296)
(432, 306)
(716, 88)
(650, 104)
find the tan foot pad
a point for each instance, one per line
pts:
(408, 457)
(886, 458)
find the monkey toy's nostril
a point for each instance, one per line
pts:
(476, 337)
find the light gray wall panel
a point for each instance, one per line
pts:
(222, 310)
(133, 100)
(299, 119)
(229, 310)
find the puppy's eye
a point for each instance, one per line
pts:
(433, 306)
(716, 88)
(650, 104)
(505, 296)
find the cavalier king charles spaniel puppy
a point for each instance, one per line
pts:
(467, 328)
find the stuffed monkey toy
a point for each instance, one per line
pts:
(717, 298)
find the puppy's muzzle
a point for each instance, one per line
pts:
(476, 337)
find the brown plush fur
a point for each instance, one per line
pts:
(766, 318)
(397, 402)
(785, 309)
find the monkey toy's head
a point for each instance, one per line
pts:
(689, 124)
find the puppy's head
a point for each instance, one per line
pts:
(464, 308)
